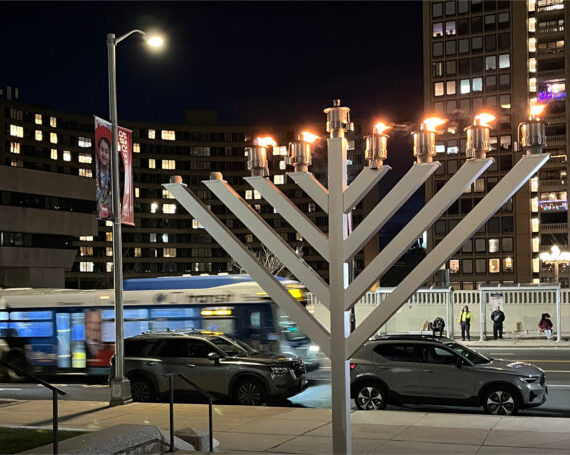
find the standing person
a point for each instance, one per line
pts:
(498, 317)
(545, 325)
(465, 318)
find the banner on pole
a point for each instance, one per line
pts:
(103, 172)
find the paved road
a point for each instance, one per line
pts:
(555, 361)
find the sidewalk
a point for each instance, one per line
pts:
(243, 429)
(521, 342)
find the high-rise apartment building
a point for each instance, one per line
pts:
(165, 239)
(501, 57)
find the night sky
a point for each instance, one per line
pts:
(256, 63)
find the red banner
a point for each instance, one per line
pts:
(103, 172)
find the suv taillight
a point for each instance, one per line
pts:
(352, 366)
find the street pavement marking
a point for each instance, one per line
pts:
(559, 386)
(556, 371)
(8, 388)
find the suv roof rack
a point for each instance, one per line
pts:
(186, 331)
(409, 336)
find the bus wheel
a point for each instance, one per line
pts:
(142, 389)
(250, 392)
(18, 360)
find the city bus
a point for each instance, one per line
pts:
(58, 331)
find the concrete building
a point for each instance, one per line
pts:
(500, 57)
(165, 240)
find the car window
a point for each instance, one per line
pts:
(434, 354)
(199, 348)
(134, 348)
(229, 347)
(173, 348)
(467, 353)
(398, 352)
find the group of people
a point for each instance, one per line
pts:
(497, 316)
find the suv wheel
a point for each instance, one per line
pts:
(500, 400)
(142, 390)
(19, 361)
(371, 396)
(250, 392)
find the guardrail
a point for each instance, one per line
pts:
(55, 391)
(209, 396)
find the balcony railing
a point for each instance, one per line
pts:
(554, 227)
(550, 74)
(554, 183)
(556, 140)
(556, 118)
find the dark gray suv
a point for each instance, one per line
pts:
(218, 363)
(422, 369)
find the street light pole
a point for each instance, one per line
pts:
(120, 385)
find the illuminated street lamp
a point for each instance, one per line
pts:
(120, 386)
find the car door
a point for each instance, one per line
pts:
(445, 374)
(399, 365)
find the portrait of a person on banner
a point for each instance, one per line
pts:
(103, 171)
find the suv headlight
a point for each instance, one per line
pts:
(279, 371)
(529, 379)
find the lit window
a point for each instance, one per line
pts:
(279, 179)
(464, 86)
(38, 135)
(53, 154)
(86, 238)
(493, 245)
(532, 24)
(53, 138)
(109, 236)
(491, 62)
(479, 186)
(167, 194)
(38, 119)
(532, 84)
(437, 30)
(534, 205)
(109, 223)
(138, 252)
(534, 224)
(168, 164)
(531, 5)
(86, 266)
(451, 87)
(535, 244)
(109, 251)
(137, 191)
(53, 122)
(86, 251)
(505, 142)
(282, 165)
(169, 252)
(168, 208)
(249, 238)
(16, 163)
(438, 89)
(165, 238)
(256, 194)
(454, 266)
(109, 267)
(66, 155)
(477, 84)
(311, 207)
(534, 184)
(494, 265)
(535, 265)
(85, 172)
(439, 148)
(196, 225)
(151, 134)
(505, 101)
(85, 158)
(249, 194)
(167, 135)
(532, 44)
(298, 237)
(17, 131)
(152, 163)
(15, 148)
(153, 207)
(507, 264)
(136, 148)
(84, 142)
(450, 28)
(152, 237)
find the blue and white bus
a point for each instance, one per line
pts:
(54, 331)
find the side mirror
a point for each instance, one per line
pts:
(459, 362)
(214, 356)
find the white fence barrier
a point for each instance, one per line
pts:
(523, 307)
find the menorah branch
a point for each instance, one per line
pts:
(315, 190)
(362, 184)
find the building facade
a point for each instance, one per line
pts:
(165, 239)
(500, 57)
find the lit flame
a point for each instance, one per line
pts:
(536, 110)
(309, 137)
(432, 123)
(264, 141)
(484, 118)
(380, 127)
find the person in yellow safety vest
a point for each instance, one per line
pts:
(465, 318)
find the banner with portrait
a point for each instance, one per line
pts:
(103, 172)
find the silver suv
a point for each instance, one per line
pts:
(218, 363)
(422, 369)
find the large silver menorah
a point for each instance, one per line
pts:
(338, 247)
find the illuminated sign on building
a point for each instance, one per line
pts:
(553, 202)
(550, 91)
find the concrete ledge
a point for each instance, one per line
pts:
(118, 440)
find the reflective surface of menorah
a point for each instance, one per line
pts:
(340, 246)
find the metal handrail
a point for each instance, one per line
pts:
(55, 391)
(208, 395)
